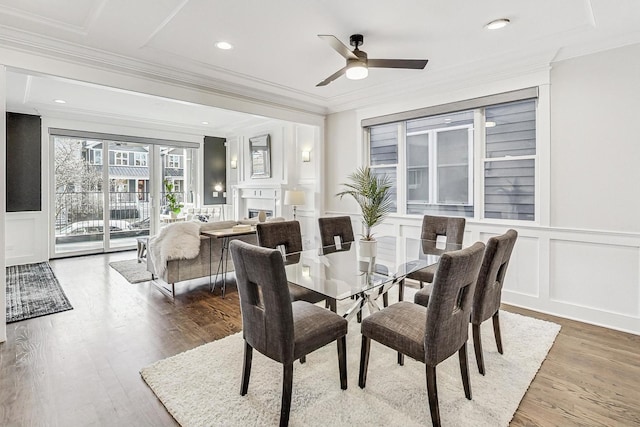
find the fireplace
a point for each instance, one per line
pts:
(253, 213)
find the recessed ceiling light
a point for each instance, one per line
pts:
(205, 123)
(497, 24)
(59, 101)
(224, 45)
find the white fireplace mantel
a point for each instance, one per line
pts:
(257, 196)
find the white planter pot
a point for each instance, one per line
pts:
(368, 248)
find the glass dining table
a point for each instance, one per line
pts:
(341, 272)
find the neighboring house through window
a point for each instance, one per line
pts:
(431, 159)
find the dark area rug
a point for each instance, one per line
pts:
(33, 291)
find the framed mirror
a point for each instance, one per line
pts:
(260, 150)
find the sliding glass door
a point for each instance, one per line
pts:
(109, 193)
(128, 194)
(78, 201)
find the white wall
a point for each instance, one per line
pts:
(288, 172)
(581, 258)
(595, 107)
(343, 153)
(3, 202)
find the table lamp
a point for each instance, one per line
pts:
(294, 198)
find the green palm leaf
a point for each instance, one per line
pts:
(372, 193)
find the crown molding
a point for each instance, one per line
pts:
(29, 43)
(236, 86)
(79, 114)
(446, 80)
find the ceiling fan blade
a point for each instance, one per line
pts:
(332, 77)
(414, 64)
(338, 46)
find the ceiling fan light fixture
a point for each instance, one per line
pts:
(497, 24)
(224, 45)
(357, 70)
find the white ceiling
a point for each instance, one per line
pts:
(277, 51)
(35, 94)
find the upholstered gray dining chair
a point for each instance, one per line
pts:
(432, 227)
(330, 227)
(276, 327)
(286, 234)
(430, 334)
(488, 293)
(341, 227)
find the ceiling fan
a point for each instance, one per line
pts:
(357, 62)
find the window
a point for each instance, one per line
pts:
(119, 185)
(95, 156)
(140, 159)
(121, 158)
(433, 159)
(439, 158)
(383, 158)
(173, 161)
(509, 163)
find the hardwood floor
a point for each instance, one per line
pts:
(81, 367)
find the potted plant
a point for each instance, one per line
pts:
(372, 193)
(172, 203)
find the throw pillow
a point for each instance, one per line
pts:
(203, 218)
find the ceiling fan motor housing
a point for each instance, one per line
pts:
(356, 40)
(362, 56)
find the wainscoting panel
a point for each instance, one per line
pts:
(26, 237)
(524, 266)
(593, 275)
(587, 275)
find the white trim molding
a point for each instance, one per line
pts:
(592, 276)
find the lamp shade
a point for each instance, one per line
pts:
(294, 197)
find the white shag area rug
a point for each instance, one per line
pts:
(201, 387)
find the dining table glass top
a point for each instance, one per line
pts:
(340, 271)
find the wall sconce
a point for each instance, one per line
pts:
(306, 156)
(234, 164)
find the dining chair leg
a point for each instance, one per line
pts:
(342, 361)
(401, 290)
(432, 392)
(496, 332)
(246, 368)
(364, 361)
(464, 370)
(332, 304)
(303, 359)
(477, 347)
(400, 359)
(359, 314)
(421, 284)
(385, 299)
(287, 387)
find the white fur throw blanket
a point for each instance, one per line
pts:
(180, 240)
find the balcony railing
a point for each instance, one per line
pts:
(87, 207)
